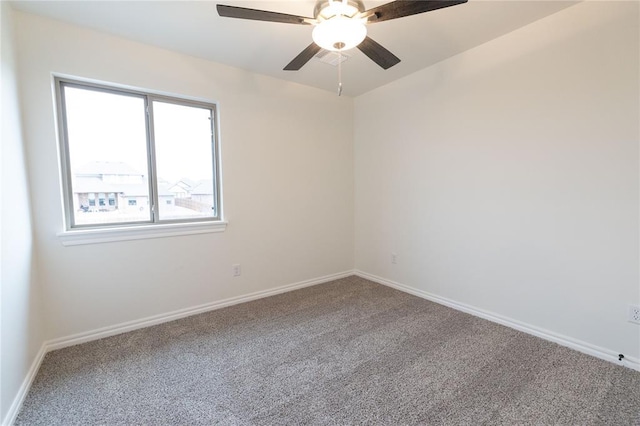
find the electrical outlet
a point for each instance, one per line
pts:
(394, 258)
(634, 314)
(236, 270)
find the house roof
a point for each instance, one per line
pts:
(107, 168)
(204, 187)
(163, 190)
(186, 182)
(88, 178)
(86, 184)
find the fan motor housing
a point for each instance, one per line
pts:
(322, 4)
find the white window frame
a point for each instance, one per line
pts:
(155, 227)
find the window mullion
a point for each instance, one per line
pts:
(153, 176)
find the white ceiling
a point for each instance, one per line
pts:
(194, 28)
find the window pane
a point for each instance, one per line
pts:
(184, 161)
(107, 145)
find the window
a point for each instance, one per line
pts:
(143, 147)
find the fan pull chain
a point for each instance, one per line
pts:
(339, 72)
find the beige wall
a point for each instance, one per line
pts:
(21, 333)
(287, 184)
(506, 178)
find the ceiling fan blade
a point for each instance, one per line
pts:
(304, 57)
(377, 53)
(401, 8)
(260, 15)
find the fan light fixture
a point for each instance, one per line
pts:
(338, 26)
(339, 33)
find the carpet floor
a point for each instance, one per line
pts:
(341, 353)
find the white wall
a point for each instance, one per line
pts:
(21, 329)
(288, 184)
(506, 178)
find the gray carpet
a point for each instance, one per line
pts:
(345, 352)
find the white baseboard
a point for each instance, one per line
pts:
(578, 345)
(100, 333)
(24, 388)
(124, 327)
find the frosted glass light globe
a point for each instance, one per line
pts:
(339, 33)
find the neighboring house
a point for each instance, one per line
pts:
(113, 185)
(182, 188)
(193, 195)
(203, 192)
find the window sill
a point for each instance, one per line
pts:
(109, 235)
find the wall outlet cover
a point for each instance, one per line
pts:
(634, 314)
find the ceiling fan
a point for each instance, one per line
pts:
(341, 25)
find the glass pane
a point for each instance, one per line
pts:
(184, 161)
(108, 157)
